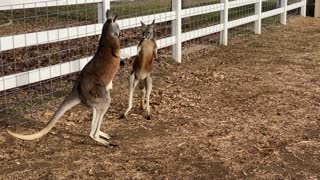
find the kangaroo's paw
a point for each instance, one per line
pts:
(104, 135)
(123, 116)
(100, 140)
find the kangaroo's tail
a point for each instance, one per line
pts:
(67, 104)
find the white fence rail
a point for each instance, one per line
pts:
(177, 13)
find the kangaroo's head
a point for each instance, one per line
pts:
(110, 34)
(111, 26)
(148, 30)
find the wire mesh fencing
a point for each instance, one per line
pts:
(31, 98)
(35, 36)
(195, 46)
(143, 8)
(239, 13)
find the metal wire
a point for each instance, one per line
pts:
(25, 99)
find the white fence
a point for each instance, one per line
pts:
(176, 15)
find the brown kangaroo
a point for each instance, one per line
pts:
(93, 84)
(142, 68)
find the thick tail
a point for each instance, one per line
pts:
(67, 104)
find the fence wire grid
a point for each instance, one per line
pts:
(25, 101)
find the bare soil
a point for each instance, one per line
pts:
(250, 110)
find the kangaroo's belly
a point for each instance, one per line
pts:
(140, 74)
(142, 65)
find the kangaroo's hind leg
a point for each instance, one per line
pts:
(143, 95)
(133, 82)
(95, 128)
(104, 109)
(148, 89)
(99, 110)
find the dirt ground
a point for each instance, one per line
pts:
(250, 110)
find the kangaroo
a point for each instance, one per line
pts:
(93, 84)
(142, 68)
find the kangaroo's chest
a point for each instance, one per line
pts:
(104, 68)
(108, 72)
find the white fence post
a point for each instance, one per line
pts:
(102, 8)
(284, 4)
(177, 30)
(317, 9)
(224, 18)
(304, 8)
(100, 13)
(221, 22)
(258, 11)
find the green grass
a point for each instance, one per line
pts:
(88, 12)
(140, 8)
(204, 20)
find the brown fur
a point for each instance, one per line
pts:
(141, 72)
(100, 71)
(93, 84)
(144, 60)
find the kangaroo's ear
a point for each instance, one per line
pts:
(115, 18)
(143, 24)
(108, 14)
(153, 22)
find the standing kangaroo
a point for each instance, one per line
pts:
(93, 84)
(142, 67)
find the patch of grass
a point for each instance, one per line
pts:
(89, 12)
(140, 8)
(241, 12)
(200, 21)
